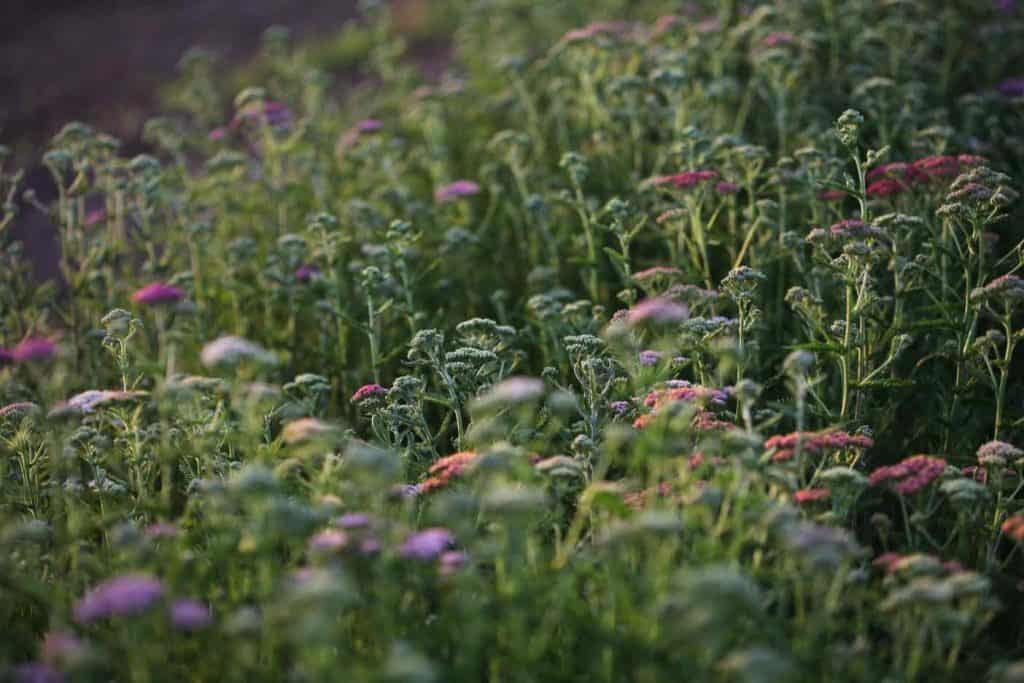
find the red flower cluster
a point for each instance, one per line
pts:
(366, 391)
(446, 469)
(686, 179)
(898, 177)
(911, 474)
(1014, 527)
(810, 495)
(890, 562)
(784, 445)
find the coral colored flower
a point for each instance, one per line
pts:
(448, 468)
(125, 595)
(158, 293)
(813, 443)
(189, 615)
(33, 350)
(456, 190)
(1013, 527)
(810, 495)
(427, 544)
(367, 391)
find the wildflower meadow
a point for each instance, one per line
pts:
(650, 341)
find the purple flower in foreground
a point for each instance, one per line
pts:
(124, 595)
(456, 190)
(369, 125)
(190, 615)
(158, 293)
(353, 520)
(36, 672)
(307, 272)
(6, 357)
(427, 544)
(619, 407)
(650, 357)
(33, 349)
(1012, 87)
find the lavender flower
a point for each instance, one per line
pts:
(1012, 87)
(190, 615)
(125, 595)
(427, 544)
(456, 190)
(329, 540)
(649, 357)
(158, 293)
(353, 520)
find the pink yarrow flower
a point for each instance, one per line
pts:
(911, 474)
(658, 310)
(158, 293)
(33, 350)
(684, 180)
(456, 190)
(367, 391)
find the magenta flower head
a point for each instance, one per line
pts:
(218, 133)
(368, 391)
(725, 187)
(1012, 87)
(189, 615)
(33, 350)
(427, 545)
(6, 357)
(121, 596)
(158, 293)
(456, 190)
(37, 672)
(658, 310)
(369, 125)
(307, 272)
(95, 216)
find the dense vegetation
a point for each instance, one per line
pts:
(640, 347)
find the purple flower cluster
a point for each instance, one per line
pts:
(121, 596)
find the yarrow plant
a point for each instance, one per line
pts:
(631, 340)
